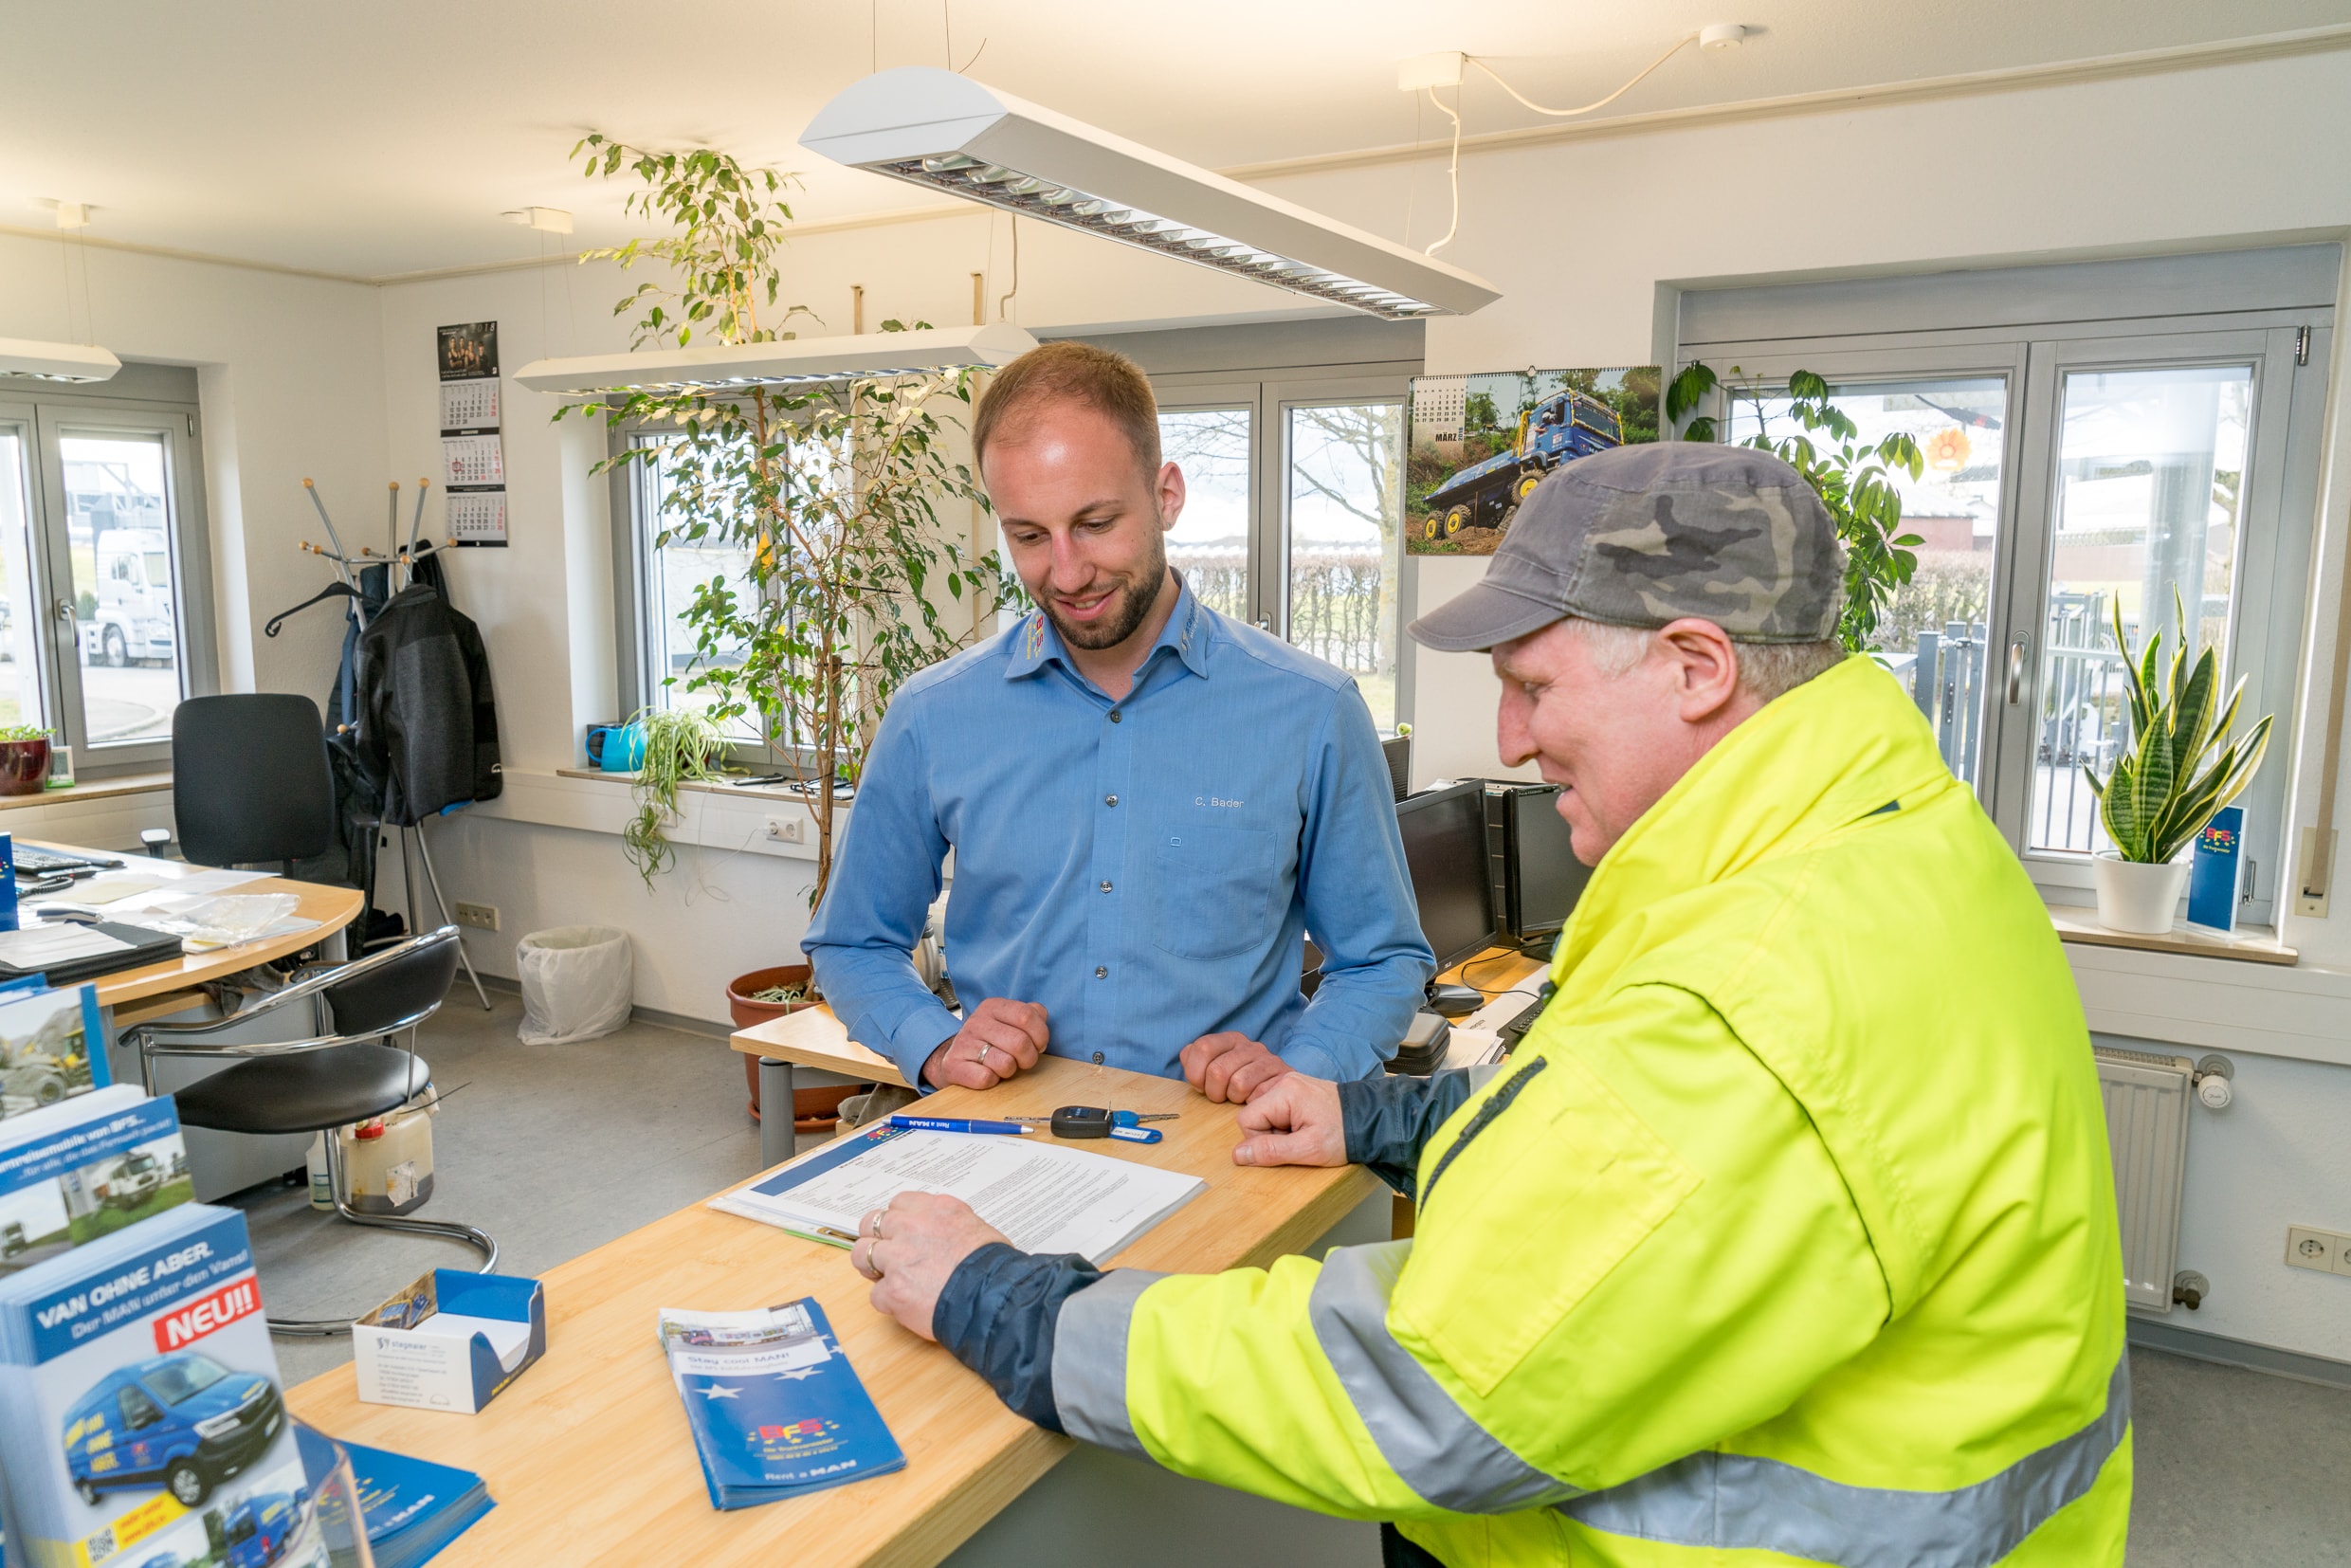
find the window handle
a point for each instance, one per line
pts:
(64, 609)
(2015, 670)
(1265, 623)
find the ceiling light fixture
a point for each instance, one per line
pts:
(946, 132)
(56, 361)
(793, 361)
(548, 220)
(70, 362)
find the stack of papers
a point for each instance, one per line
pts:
(39, 947)
(413, 1508)
(776, 1409)
(1045, 1197)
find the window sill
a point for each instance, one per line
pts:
(736, 792)
(90, 789)
(713, 816)
(2248, 944)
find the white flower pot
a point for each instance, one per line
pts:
(2136, 896)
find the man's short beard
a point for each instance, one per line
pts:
(1133, 605)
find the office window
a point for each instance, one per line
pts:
(670, 572)
(1335, 546)
(2092, 443)
(104, 618)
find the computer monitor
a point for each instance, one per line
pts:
(1445, 849)
(1537, 878)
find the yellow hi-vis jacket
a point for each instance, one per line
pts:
(1787, 1234)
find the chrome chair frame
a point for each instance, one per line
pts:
(155, 1040)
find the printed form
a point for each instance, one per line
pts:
(1045, 1198)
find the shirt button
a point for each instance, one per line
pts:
(1105, 886)
(1100, 973)
(1110, 800)
(1114, 716)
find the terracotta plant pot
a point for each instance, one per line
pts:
(813, 1110)
(24, 766)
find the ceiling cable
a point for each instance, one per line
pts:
(1679, 45)
(1453, 173)
(1007, 297)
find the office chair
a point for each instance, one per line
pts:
(250, 780)
(349, 1073)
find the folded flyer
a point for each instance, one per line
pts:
(413, 1509)
(45, 1046)
(139, 1408)
(776, 1409)
(1045, 1197)
(85, 1168)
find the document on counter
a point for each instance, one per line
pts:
(39, 946)
(1047, 1198)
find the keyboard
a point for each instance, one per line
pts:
(1523, 1019)
(45, 863)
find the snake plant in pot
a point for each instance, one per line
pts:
(2179, 768)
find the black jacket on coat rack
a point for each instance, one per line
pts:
(428, 725)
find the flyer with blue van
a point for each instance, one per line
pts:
(140, 1405)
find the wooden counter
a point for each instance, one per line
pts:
(588, 1454)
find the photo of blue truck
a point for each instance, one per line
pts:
(1478, 445)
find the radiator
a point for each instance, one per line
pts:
(2147, 1099)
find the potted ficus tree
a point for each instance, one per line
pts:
(2179, 768)
(830, 494)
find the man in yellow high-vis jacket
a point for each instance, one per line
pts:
(1786, 1236)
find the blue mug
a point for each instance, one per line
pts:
(616, 748)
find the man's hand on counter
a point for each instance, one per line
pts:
(910, 1248)
(1295, 1121)
(1229, 1067)
(999, 1038)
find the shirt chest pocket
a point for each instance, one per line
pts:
(1215, 891)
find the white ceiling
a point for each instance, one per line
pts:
(380, 139)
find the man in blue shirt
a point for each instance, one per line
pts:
(1149, 804)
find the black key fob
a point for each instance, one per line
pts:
(1081, 1122)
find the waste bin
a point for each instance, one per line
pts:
(578, 983)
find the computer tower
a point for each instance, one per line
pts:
(1536, 876)
(1398, 751)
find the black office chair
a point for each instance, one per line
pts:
(250, 780)
(350, 1072)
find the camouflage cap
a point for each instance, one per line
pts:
(1641, 535)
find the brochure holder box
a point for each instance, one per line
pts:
(408, 1352)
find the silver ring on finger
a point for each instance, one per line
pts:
(873, 1224)
(982, 1058)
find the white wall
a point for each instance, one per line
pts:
(291, 384)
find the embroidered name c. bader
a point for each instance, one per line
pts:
(1217, 800)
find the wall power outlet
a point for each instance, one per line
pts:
(481, 916)
(2307, 1247)
(786, 830)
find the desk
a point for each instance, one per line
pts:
(813, 1037)
(153, 991)
(587, 1453)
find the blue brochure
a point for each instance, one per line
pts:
(414, 1508)
(2212, 871)
(776, 1409)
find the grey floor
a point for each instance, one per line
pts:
(558, 1149)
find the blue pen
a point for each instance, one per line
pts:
(955, 1124)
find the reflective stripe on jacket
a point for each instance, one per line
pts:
(1788, 1230)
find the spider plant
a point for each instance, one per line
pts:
(681, 745)
(2181, 766)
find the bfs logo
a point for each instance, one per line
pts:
(797, 1433)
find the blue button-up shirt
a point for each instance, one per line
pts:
(1143, 869)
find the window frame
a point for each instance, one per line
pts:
(2034, 337)
(47, 415)
(1269, 397)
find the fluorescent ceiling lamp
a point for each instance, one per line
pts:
(934, 128)
(56, 361)
(795, 361)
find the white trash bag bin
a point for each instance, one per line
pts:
(578, 983)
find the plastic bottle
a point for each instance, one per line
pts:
(322, 1181)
